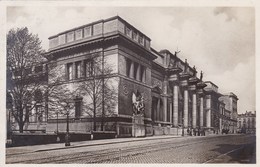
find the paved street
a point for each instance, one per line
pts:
(209, 149)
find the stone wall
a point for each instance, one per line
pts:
(126, 89)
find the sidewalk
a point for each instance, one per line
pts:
(57, 146)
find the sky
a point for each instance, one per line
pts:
(220, 41)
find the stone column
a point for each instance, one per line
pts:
(175, 105)
(201, 111)
(171, 112)
(144, 75)
(220, 124)
(186, 108)
(194, 110)
(74, 71)
(158, 110)
(165, 109)
(208, 114)
(131, 72)
(138, 73)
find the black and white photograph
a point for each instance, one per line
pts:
(129, 84)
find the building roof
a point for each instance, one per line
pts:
(99, 21)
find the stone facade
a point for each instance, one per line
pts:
(175, 99)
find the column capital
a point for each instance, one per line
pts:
(192, 88)
(193, 80)
(173, 70)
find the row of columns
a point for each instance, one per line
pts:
(140, 74)
(186, 109)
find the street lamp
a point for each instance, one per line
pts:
(182, 127)
(67, 136)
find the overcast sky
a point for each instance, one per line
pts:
(218, 41)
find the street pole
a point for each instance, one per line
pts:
(182, 127)
(67, 137)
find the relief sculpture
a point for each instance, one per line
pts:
(138, 103)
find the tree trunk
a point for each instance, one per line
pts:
(21, 127)
(94, 117)
(20, 121)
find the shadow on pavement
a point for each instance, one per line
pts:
(245, 153)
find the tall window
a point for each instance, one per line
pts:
(89, 65)
(78, 68)
(69, 71)
(39, 113)
(78, 108)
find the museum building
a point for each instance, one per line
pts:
(154, 92)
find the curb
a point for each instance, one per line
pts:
(110, 142)
(105, 143)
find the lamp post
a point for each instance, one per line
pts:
(182, 127)
(67, 136)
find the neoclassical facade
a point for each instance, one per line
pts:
(173, 94)
(246, 122)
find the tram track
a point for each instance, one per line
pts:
(113, 154)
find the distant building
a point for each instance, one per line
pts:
(37, 118)
(230, 101)
(246, 122)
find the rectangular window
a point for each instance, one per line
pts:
(87, 31)
(89, 65)
(69, 71)
(78, 104)
(78, 70)
(40, 111)
(28, 115)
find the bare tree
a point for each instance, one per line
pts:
(23, 51)
(99, 88)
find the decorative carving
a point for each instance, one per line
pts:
(156, 82)
(201, 75)
(125, 90)
(195, 71)
(185, 65)
(138, 103)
